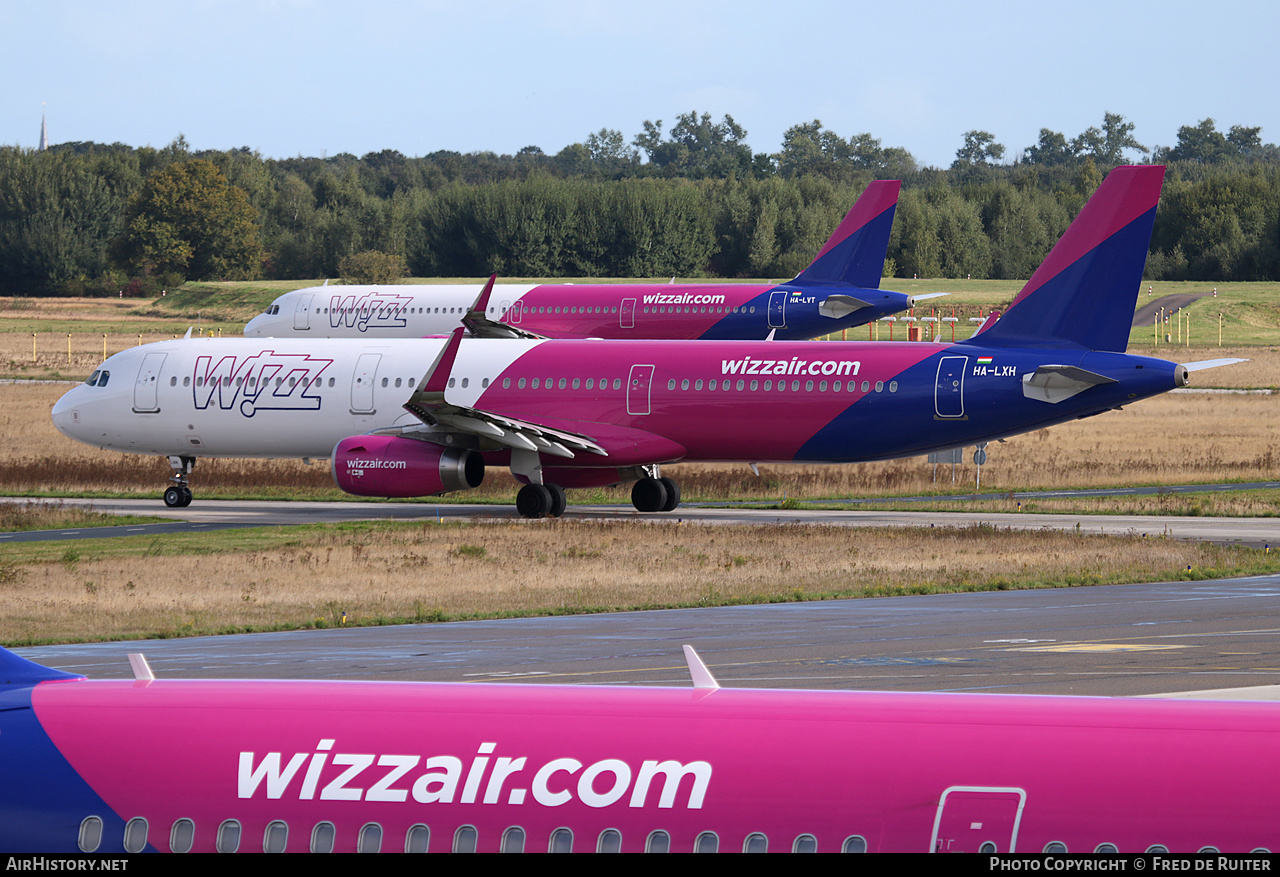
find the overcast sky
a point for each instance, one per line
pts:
(315, 77)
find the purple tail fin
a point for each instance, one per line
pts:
(1085, 291)
(854, 255)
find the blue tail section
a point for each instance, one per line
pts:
(1085, 292)
(854, 255)
(17, 672)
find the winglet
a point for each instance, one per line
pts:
(854, 255)
(437, 377)
(1085, 291)
(702, 677)
(479, 307)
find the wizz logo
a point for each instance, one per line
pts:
(378, 310)
(266, 381)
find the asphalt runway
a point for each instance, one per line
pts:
(1254, 532)
(1107, 640)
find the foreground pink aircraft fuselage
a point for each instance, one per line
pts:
(346, 766)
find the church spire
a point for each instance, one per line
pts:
(44, 131)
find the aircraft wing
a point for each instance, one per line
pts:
(621, 445)
(480, 326)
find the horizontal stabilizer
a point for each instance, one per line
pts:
(1211, 363)
(837, 306)
(1054, 383)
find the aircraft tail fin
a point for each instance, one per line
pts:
(1085, 291)
(854, 254)
(18, 671)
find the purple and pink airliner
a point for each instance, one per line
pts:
(839, 290)
(417, 417)
(153, 765)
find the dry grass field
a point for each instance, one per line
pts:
(379, 574)
(263, 579)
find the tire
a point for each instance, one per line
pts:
(186, 497)
(533, 501)
(173, 497)
(559, 502)
(673, 494)
(649, 495)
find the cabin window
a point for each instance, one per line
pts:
(562, 384)
(711, 385)
(417, 839)
(658, 842)
(186, 382)
(90, 834)
(561, 841)
(805, 843)
(385, 382)
(617, 383)
(410, 382)
(513, 840)
(755, 843)
(465, 382)
(866, 385)
(228, 840)
(484, 384)
(610, 841)
(1106, 848)
(1055, 847)
(698, 385)
(173, 381)
(987, 847)
(671, 384)
(879, 386)
(452, 381)
(591, 382)
(1201, 850)
(275, 837)
(1158, 848)
(893, 386)
(576, 383)
(684, 385)
(533, 384)
(182, 835)
(331, 382)
(322, 837)
(464, 839)
(370, 840)
(835, 387)
(808, 386)
(741, 384)
(707, 842)
(135, 835)
(520, 384)
(822, 386)
(755, 385)
(854, 844)
(506, 383)
(795, 386)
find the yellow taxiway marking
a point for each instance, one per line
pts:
(1097, 647)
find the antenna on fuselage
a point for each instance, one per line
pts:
(702, 677)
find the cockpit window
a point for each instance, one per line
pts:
(98, 378)
(102, 378)
(93, 378)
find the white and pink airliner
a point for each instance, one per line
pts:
(416, 417)
(839, 290)
(260, 766)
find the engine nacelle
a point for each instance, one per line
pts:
(393, 466)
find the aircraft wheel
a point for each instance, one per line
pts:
(173, 497)
(649, 495)
(559, 502)
(673, 494)
(186, 497)
(534, 501)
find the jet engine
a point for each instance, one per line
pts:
(393, 466)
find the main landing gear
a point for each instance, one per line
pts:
(548, 501)
(655, 495)
(178, 496)
(541, 501)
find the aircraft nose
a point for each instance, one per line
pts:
(66, 414)
(253, 328)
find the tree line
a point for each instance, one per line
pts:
(695, 200)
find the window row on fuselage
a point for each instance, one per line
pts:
(371, 838)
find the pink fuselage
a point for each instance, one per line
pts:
(898, 772)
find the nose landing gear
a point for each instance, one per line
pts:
(178, 495)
